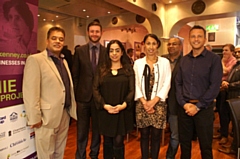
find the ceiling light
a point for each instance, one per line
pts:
(87, 16)
(52, 20)
(38, 15)
(56, 16)
(84, 10)
(109, 12)
(170, 1)
(44, 19)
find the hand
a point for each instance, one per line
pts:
(120, 107)
(38, 125)
(224, 84)
(111, 109)
(191, 109)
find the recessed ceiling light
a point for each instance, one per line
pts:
(56, 16)
(84, 10)
(170, 1)
(109, 12)
(52, 20)
(44, 19)
(38, 15)
(87, 16)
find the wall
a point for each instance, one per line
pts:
(69, 25)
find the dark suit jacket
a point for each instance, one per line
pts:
(172, 100)
(68, 56)
(83, 74)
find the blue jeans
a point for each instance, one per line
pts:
(174, 140)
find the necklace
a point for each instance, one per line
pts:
(114, 72)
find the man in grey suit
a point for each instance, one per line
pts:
(174, 47)
(86, 59)
(49, 97)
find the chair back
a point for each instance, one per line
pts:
(234, 105)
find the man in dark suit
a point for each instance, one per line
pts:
(68, 56)
(130, 55)
(174, 47)
(86, 59)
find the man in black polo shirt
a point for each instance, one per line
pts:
(197, 83)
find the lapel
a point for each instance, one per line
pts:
(52, 65)
(176, 67)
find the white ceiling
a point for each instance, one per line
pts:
(48, 9)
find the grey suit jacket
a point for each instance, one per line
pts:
(44, 91)
(83, 74)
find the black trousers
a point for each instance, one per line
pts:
(203, 122)
(224, 112)
(85, 112)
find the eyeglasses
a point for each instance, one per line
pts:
(237, 51)
(173, 44)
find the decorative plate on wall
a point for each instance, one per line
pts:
(198, 7)
(140, 19)
(114, 20)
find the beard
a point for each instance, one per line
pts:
(94, 41)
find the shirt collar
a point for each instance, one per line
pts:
(91, 45)
(203, 53)
(50, 54)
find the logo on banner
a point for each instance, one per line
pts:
(4, 148)
(2, 119)
(2, 135)
(23, 114)
(18, 152)
(13, 117)
(15, 131)
(18, 142)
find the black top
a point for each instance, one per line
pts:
(199, 78)
(114, 90)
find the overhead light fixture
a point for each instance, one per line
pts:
(38, 15)
(44, 19)
(170, 1)
(52, 20)
(87, 16)
(56, 16)
(84, 10)
(109, 12)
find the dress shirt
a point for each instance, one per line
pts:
(199, 78)
(64, 75)
(97, 50)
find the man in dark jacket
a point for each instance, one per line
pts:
(174, 47)
(233, 89)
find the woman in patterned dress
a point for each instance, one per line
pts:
(152, 80)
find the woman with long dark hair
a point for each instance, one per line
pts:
(113, 91)
(153, 75)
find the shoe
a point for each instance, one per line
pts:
(217, 136)
(227, 150)
(226, 146)
(223, 141)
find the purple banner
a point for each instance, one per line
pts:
(10, 90)
(32, 156)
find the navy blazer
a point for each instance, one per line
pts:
(82, 72)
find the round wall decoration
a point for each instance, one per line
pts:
(198, 7)
(114, 20)
(140, 19)
(154, 7)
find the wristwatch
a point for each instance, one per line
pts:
(197, 108)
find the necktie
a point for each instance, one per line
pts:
(94, 58)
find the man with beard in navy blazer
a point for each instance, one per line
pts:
(86, 59)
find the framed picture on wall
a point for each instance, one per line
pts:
(137, 49)
(211, 37)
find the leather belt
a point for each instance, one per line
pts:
(193, 101)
